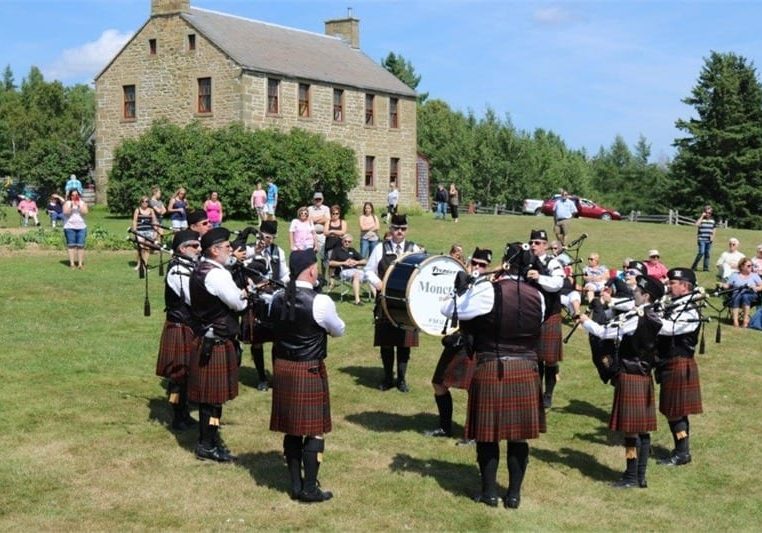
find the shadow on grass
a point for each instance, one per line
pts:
(382, 421)
(456, 478)
(579, 407)
(365, 376)
(248, 376)
(583, 462)
(602, 435)
(160, 411)
(266, 469)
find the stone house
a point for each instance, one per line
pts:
(188, 64)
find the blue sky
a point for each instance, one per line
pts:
(585, 70)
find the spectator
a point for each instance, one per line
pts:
(441, 198)
(350, 263)
(704, 237)
(301, 233)
(271, 200)
(369, 228)
(213, 208)
(655, 267)
(563, 211)
(156, 204)
(456, 252)
(144, 222)
(392, 201)
(177, 209)
(729, 259)
(73, 185)
(55, 209)
(756, 261)
(595, 276)
(454, 200)
(319, 215)
(27, 208)
(335, 230)
(75, 228)
(747, 286)
(258, 200)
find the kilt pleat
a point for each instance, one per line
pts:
(634, 407)
(455, 369)
(507, 404)
(680, 393)
(175, 348)
(216, 381)
(301, 400)
(549, 347)
(386, 334)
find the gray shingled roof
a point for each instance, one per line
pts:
(263, 47)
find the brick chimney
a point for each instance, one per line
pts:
(169, 7)
(347, 29)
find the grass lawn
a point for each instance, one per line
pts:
(86, 444)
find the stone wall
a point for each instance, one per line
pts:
(166, 86)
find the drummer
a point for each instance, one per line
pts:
(386, 335)
(456, 364)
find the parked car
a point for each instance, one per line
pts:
(532, 207)
(585, 208)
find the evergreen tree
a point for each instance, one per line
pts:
(404, 71)
(719, 161)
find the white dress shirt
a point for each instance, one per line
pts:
(371, 267)
(324, 312)
(555, 281)
(478, 300)
(178, 279)
(219, 282)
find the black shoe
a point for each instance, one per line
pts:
(465, 442)
(705, 270)
(386, 385)
(512, 502)
(213, 453)
(642, 483)
(439, 432)
(223, 448)
(676, 459)
(625, 483)
(402, 386)
(315, 496)
(547, 401)
(262, 386)
(490, 501)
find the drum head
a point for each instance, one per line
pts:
(430, 285)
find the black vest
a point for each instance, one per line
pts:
(176, 308)
(637, 352)
(274, 252)
(552, 299)
(208, 310)
(678, 345)
(300, 340)
(388, 256)
(512, 327)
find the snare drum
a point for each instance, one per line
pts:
(414, 288)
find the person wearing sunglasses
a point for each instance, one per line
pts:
(177, 340)
(547, 274)
(655, 267)
(456, 366)
(198, 221)
(349, 263)
(387, 336)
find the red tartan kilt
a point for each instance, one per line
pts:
(217, 381)
(454, 369)
(301, 400)
(505, 409)
(549, 346)
(251, 332)
(386, 334)
(175, 348)
(634, 408)
(680, 393)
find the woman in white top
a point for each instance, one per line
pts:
(75, 229)
(728, 261)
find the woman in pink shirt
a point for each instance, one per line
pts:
(301, 233)
(213, 208)
(28, 209)
(258, 198)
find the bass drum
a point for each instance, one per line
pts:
(414, 288)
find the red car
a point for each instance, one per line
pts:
(585, 208)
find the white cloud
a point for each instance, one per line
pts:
(84, 62)
(552, 16)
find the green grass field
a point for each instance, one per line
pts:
(85, 443)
